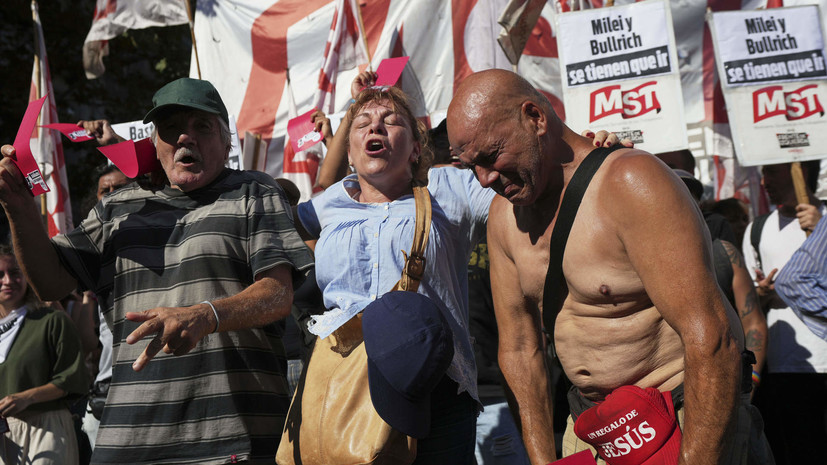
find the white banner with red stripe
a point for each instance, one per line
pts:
(45, 143)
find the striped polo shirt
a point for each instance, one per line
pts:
(226, 400)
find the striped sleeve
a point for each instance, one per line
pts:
(273, 237)
(80, 250)
(802, 283)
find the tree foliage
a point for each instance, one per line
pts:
(140, 62)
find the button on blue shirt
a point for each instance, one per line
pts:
(359, 253)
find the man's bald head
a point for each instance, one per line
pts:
(493, 93)
(501, 127)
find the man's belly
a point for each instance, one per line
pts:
(602, 349)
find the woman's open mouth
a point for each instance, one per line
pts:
(374, 147)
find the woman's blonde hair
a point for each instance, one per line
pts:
(399, 103)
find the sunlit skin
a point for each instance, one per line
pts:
(641, 308)
(381, 149)
(110, 182)
(190, 149)
(493, 151)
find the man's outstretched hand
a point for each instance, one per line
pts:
(177, 330)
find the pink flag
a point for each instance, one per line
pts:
(345, 49)
(389, 70)
(113, 17)
(301, 167)
(23, 153)
(132, 158)
(74, 132)
(46, 144)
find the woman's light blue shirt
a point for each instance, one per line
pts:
(359, 253)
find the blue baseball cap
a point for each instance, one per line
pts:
(409, 345)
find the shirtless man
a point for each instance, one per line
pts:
(643, 307)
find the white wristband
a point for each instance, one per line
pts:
(215, 312)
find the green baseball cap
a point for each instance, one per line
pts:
(190, 93)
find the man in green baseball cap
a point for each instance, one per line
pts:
(192, 279)
(192, 135)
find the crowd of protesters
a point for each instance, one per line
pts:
(176, 321)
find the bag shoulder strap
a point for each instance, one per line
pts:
(414, 268)
(755, 235)
(554, 289)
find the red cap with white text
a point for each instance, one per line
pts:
(633, 426)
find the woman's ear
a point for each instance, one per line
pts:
(417, 149)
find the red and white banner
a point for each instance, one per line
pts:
(345, 50)
(301, 167)
(253, 43)
(113, 17)
(45, 143)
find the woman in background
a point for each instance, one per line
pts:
(41, 369)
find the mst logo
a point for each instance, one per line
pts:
(797, 104)
(631, 103)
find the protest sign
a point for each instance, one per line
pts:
(389, 70)
(302, 132)
(23, 152)
(774, 79)
(133, 158)
(74, 132)
(619, 72)
(133, 130)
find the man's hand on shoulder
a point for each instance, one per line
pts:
(604, 138)
(177, 330)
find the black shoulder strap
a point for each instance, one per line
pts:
(755, 235)
(555, 290)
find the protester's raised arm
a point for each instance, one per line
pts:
(34, 252)
(335, 167)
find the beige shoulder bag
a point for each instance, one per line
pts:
(331, 419)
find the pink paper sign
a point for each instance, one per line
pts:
(74, 132)
(132, 158)
(25, 160)
(389, 70)
(302, 132)
(581, 458)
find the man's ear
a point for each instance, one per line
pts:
(535, 113)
